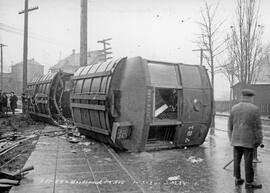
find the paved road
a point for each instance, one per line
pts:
(196, 169)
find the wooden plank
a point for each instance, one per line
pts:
(88, 106)
(92, 128)
(89, 97)
(14, 145)
(41, 115)
(93, 75)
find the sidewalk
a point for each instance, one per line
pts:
(63, 167)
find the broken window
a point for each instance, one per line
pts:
(165, 103)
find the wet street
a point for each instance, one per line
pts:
(196, 169)
(90, 166)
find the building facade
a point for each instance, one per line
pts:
(13, 81)
(34, 69)
(72, 62)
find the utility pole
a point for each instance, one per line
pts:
(201, 54)
(25, 42)
(105, 48)
(83, 44)
(2, 82)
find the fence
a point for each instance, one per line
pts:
(224, 106)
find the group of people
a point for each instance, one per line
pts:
(4, 102)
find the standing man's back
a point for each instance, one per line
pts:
(245, 134)
(245, 125)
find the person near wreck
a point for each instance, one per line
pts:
(4, 103)
(24, 99)
(13, 102)
(245, 135)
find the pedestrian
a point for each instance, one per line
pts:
(4, 103)
(24, 102)
(13, 102)
(245, 134)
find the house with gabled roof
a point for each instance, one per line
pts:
(72, 62)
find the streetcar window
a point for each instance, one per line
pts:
(162, 74)
(165, 103)
(191, 77)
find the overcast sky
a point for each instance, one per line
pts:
(164, 30)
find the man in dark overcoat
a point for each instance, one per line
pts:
(13, 102)
(4, 103)
(245, 134)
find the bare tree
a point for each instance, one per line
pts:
(244, 46)
(228, 69)
(211, 41)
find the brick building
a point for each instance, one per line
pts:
(13, 81)
(34, 69)
(7, 82)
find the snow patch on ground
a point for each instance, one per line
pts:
(193, 159)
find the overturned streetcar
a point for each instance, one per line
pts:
(130, 103)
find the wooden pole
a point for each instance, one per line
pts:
(83, 44)
(2, 82)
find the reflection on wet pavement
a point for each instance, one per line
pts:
(196, 169)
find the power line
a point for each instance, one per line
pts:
(31, 35)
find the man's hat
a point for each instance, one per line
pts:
(247, 92)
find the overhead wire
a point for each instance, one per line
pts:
(17, 31)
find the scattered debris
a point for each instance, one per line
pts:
(52, 131)
(83, 136)
(73, 151)
(172, 178)
(73, 139)
(11, 144)
(193, 159)
(86, 143)
(34, 142)
(108, 159)
(43, 143)
(86, 150)
(8, 179)
(18, 137)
